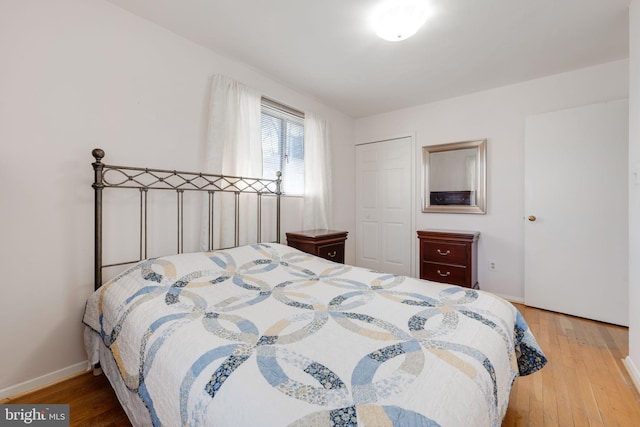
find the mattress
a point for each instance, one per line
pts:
(266, 335)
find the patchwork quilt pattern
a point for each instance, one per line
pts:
(266, 335)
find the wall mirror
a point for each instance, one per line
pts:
(455, 177)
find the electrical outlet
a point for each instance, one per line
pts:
(492, 266)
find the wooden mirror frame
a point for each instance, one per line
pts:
(480, 206)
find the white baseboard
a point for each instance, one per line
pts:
(511, 299)
(44, 380)
(633, 371)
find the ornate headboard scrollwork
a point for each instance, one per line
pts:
(146, 179)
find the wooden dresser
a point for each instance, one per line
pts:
(327, 244)
(449, 256)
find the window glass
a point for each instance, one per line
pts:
(283, 148)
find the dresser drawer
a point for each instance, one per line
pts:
(445, 273)
(333, 252)
(449, 256)
(446, 252)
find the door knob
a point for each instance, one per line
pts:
(532, 218)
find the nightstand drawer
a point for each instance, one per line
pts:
(327, 244)
(334, 252)
(449, 253)
(445, 273)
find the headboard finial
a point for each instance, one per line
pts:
(98, 153)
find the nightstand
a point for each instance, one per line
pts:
(327, 244)
(449, 257)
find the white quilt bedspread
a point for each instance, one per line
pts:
(265, 335)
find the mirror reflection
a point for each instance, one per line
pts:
(455, 177)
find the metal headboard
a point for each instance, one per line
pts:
(145, 179)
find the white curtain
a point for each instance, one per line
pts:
(234, 147)
(234, 144)
(317, 173)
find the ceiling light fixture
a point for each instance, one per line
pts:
(397, 20)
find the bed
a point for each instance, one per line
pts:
(265, 335)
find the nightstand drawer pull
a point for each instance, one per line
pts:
(332, 254)
(443, 253)
(448, 273)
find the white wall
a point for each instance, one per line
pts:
(634, 191)
(497, 115)
(79, 74)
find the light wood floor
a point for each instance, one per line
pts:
(92, 402)
(584, 383)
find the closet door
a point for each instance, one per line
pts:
(385, 239)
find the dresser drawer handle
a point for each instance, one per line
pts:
(332, 254)
(443, 253)
(448, 273)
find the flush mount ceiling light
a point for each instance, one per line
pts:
(397, 20)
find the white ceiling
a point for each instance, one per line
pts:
(328, 49)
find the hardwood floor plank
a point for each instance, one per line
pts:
(578, 405)
(588, 397)
(562, 392)
(563, 397)
(524, 390)
(549, 398)
(605, 406)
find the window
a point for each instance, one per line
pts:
(283, 147)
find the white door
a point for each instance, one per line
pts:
(385, 238)
(576, 229)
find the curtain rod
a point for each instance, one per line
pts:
(277, 105)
